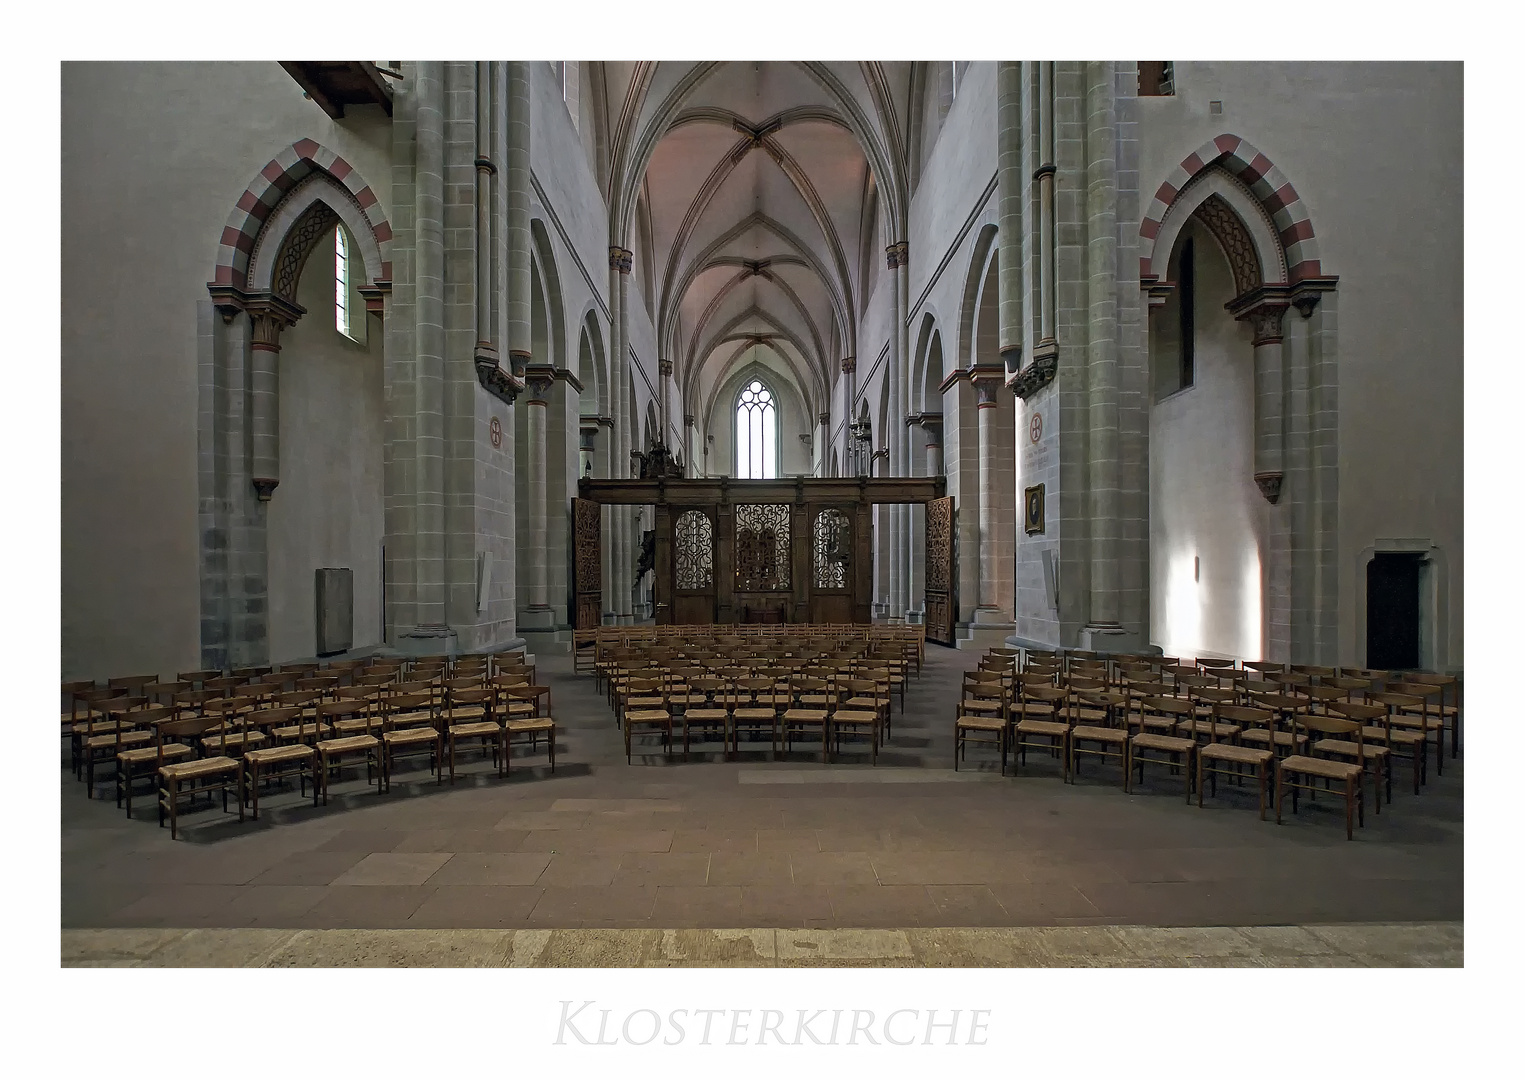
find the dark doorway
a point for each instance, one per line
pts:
(1392, 611)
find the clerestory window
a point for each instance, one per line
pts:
(756, 433)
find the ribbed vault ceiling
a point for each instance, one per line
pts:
(755, 179)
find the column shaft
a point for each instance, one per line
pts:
(1009, 185)
(430, 343)
(1101, 251)
(987, 416)
(536, 417)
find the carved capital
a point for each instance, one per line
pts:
(1265, 321)
(620, 259)
(897, 254)
(1036, 375)
(264, 487)
(1269, 484)
(485, 165)
(985, 388)
(497, 382)
(1011, 358)
(518, 363)
(268, 316)
(688, 419)
(664, 368)
(849, 365)
(824, 418)
(538, 379)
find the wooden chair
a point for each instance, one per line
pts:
(126, 725)
(1449, 685)
(1097, 739)
(1424, 715)
(143, 760)
(1300, 771)
(409, 725)
(1178, 749)
(467, 716)
(705, 708)
(265, 763)
(1396, 737)
(522, 716)
(341, 718)
(850, 719)
(808, 708)
(1373, 749)
(755, 709)
(646, 710)
(1215, 757)
(305, 727)
(227, 741)
(177, 779)
(1040, 712)
(1285, 740)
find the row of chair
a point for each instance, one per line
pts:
(1295, 736)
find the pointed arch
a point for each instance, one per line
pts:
(253, 215)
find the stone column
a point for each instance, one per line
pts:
(1009, 185)
(517, 167)
(824, 419)
(688, 445)
(587, 447)
(894, 437)
(664, 374)
(429, 461)
(540, 379)
(267, 318)
(1266, 322)
(985, 391)
(1045, 179)
(624, 534)
(1101, 353)
(933, 427)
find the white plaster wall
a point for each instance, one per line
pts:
(1375, 151)
(1203, 502)
(154, 157)
(327, 511)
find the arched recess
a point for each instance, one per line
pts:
(282, 218)
(1247, 401)
(793, 415)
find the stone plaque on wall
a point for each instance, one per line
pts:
(335, 609)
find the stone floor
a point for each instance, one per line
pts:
(662, 845)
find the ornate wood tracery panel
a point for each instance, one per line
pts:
(833, 550)
(587, 563)
(939, 568)
(763, 548)
(693, 552)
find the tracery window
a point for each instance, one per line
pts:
(695, 550)
(756, 433)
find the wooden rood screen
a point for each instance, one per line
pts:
(796, 550)
(940, 576)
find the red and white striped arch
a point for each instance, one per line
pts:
(260, 199)
(1265, 181)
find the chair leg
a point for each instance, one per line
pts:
(1279, 794)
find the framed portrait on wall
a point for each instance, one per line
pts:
(1032, 513)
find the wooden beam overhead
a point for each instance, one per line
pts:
(702, 491)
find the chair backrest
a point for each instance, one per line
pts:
(1087, 686)
(1035, 678)
(1177, 709)
(199, 676)
(270, 718)
(531, 694)
(130, 682)
(298, 699)
(1245, 716)
(1359, 710)
(1208, 662)
(409, 703)
(1323, 695)
(1334, 726)
(337, 710)
(190, 728)
(1046, 693)
(1213, 695)
(474, 695)
(1263, 665)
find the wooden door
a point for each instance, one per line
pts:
(939, 571)
(587, 562)
(832, 569)
(691, 565)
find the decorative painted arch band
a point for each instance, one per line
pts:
(259, 200)
(1265, 181)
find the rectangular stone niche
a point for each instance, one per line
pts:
(335, 609)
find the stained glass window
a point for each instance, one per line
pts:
(341, 282)
(756, 433)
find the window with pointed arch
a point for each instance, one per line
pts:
(756, 432)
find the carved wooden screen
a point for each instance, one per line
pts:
(693, 552)
(833, 550)
(587, 560)
(939, 571)
(762, 548)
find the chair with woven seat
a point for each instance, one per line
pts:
(1398, 737)
(1424, 715)
(808, 708)
(467, 716)
(1373, 751)
(267, 763)
(139, 757)
(1178, 749)
(977, 728)
(125, 724)
(849, 719)
(1040, 711)
(231, 742)
(755, 710)
(409, 726)
(349, 723)
(520, 710)
(705, 710)
(1303, 771)
(1450, 686)
(197, 776)
(1217, 757)
(646, 711)
(1283, 739)
(1101, 738)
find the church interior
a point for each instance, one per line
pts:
(692, 513)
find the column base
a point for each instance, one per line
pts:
(988, 629)
(430, 640)
(1110, 639)
(536, 617)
